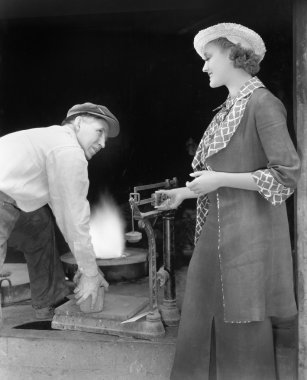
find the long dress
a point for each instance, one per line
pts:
(236, 349)
(241, 272)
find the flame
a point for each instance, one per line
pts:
(107, 229)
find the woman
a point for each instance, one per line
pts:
(245, 167)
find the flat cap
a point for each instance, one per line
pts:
(98, 111)
(235, 33)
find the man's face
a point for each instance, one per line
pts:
(92, 134)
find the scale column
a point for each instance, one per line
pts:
(153, 319)
(169, 309)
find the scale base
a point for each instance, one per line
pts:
(117, 308)
(170, 313)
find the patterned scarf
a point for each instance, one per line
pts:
(217, 136)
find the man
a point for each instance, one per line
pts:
(48, 166)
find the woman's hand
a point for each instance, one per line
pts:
(174, 198)
(205, 182)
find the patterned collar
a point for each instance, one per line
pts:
(247, 88)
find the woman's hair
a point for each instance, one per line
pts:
(70, 119)
(242, 58)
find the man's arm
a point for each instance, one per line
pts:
(68, 187)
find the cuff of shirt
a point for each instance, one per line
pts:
(269, 188)
(90, 272)
(86, 259)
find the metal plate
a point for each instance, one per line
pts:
(131, 267)
(132, 256)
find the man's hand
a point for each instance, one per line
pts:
(78, 275)
(88, 286)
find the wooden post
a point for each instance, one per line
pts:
(300, 119)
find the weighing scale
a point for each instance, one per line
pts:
(135, 316)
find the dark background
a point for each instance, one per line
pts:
(137, 58)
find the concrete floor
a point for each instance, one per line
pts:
(27, 354)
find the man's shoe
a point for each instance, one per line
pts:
(44, 312)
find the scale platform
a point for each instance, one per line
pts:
(117, 309)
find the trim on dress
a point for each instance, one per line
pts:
(220, 261)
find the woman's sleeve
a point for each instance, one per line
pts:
(278, 180)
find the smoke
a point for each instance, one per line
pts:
(107, 229)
